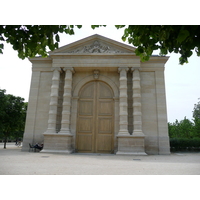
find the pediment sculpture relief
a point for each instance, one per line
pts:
(96, 47)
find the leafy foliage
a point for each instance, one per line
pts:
(185, 134)
(196, 128)
(178, 39)
(12, 115)
(182, 129)
(32, 40)
(178, 144)
(196, 111)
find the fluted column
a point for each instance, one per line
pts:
(123, 104)
(65, 123)
(53, 101)
(137, 114)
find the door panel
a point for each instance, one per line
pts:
(105, 125)
(104, 144)
(105, 107)
(85, 125)
(104, 90)
(84, 143)
(88, 91)
(95, 119)
(86, 107)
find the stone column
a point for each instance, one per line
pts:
(137, 114)
(58, 142)
(53, 101)
(129, 144)
(123, 104)
(65, 123)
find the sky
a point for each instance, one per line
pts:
(182, 82)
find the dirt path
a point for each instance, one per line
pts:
(15, 162)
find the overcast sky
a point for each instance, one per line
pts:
(182, 81)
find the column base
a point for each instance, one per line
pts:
(57, 143)
(131, 145)
(123, 132)
(50, 131)
(131, 153)
(65, 132)
(56, 151)
(138, 134)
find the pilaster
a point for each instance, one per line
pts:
(29, 133)
(66, 112)
(59, 142)
(137, 114)
(127, 144)
(53, 101)
(123, 104)
(163, 138)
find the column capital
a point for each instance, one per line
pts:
(135, 68)
(123, 68)
(56, 69)
(68, 68)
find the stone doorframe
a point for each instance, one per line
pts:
(75, 98)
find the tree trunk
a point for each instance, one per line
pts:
(5, 140)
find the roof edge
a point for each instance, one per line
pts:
(90, 38)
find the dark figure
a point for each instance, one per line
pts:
(38, 146)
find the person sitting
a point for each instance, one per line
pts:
(38, 146)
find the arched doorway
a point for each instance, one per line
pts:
(95, 118)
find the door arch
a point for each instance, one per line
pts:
(95, 118)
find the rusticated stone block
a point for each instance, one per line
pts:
(131, 145)
(57, 143)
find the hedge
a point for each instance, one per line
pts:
(184, 144)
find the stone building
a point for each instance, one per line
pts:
(95, 96)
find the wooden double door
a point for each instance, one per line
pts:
(95, 122)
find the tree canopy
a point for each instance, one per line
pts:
(196, 111)
(12, 116)
(166, 38)
(186, 128)
(32, 40)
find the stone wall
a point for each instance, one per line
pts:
(139, 129)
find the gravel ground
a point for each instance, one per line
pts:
(15, 162)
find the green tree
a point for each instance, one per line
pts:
(182, 129)
(32, 40)
(196, 118)
(196, 128)
(166, 38)
(196, 110)
(186, 134)
(186, 128)
(174, 131)
(12, 115)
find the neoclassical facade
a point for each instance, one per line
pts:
(95, 96)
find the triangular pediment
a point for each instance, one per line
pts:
(94, 44)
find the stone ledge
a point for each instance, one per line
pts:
(58, 134)
(56, 151)
(131, 153)
(130, 136)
